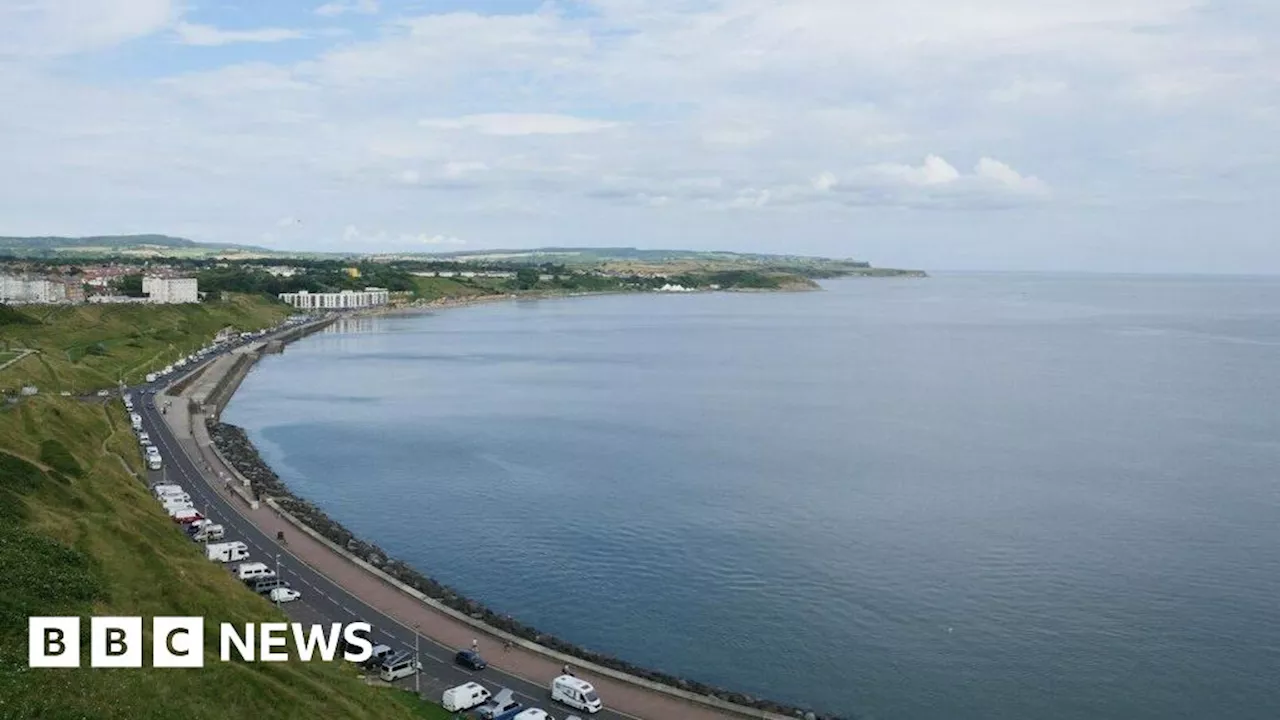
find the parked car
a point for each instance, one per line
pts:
(398, 666)
(284, 595)
(502, 703)
(265, 585)
(470, 659)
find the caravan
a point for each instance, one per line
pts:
(576, 693)
(227, 551)
(465, 697)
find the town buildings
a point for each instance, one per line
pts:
(345, 300)
(165, 290)
(33, 289)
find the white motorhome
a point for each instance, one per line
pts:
(209, 532)
(227, 551)
(173, 498)
(532, 714)
(576, 693)
(136, 420)
(465, 697)
(154, 462)
(186, 516)
(167, 489)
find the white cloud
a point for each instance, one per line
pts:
(934, 171)
(518, 124)
(354, 236)
(65, 27)
(334, 9)
(1008, 177)
(288, 222)
(210, 36)
(557, 124)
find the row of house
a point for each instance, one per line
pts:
(45, 290)
(40, 290)
(344, 300)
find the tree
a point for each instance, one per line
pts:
(526, 278)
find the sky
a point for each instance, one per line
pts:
(1094, 135)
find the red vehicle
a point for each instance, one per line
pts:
(186, 517)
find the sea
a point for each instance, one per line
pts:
(963, 496)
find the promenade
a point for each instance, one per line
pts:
(636, 698)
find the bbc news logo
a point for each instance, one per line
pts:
(178, 642)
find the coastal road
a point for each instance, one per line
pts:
(323, 600)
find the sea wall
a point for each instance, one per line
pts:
(236, 447)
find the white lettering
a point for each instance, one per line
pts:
(272, 635)
(307, 645)
(357, 635)
(243, 643)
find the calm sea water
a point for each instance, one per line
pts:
(963, 497)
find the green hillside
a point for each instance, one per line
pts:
(86, 347)
(79, 535)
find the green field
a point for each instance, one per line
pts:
(434, 288)
(79, 535)
(88, 347)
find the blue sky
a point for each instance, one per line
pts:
(1109, 135)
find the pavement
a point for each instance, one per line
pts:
(335, 589)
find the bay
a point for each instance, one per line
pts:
(969, 496)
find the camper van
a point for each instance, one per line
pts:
(164, 489)
(154, 462)
(576, 693)
(174, 504)
(465, 697)
(206, 533)
(248, 572)
(136, 420)
(227, 551)
(398, 666)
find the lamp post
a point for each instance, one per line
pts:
(278, 578)
(417, 675)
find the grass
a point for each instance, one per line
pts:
(432, 288)
(79, 535)
(89, 347)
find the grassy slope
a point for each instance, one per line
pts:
(88, 347)
(432, 288)
(89, 540)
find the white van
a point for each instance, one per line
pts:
(162, 490)
(465, 697)
(227, 551)
(253, 571)
(173, 505)
(576, 693)
(186, 515)
(173, 497)
(154, 462)
(209, 532)
(398, 666)
(136, 421)
(532, 714)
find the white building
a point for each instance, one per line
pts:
(170, 290)
(345, 300)
(19, 289)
